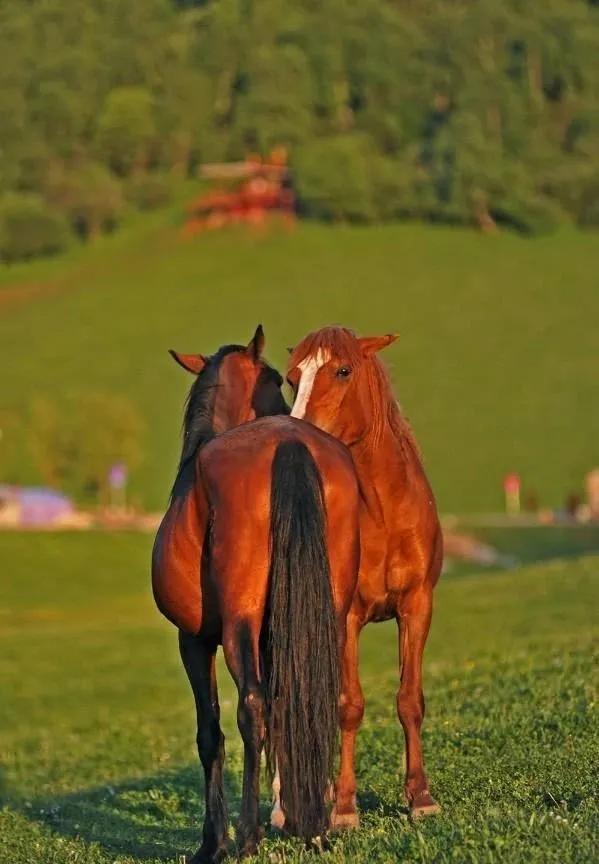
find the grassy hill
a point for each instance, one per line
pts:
(97, 750)
(496, 365)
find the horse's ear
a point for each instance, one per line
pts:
(371, 344)
(290, 350)
(192, 362)
(256, 343)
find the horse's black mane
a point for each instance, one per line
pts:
(199, 409)
(199, 405)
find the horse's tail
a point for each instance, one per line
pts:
(302, 666)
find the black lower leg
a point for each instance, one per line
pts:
(240, 644)
(251, 722)
(198, 659)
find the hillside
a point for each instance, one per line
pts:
(495, 369)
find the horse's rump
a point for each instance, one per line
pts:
(284, 554)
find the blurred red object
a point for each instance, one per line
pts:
(262, 189)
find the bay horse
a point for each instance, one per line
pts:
(259, 552)
(341, 386)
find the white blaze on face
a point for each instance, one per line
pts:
(309, 367)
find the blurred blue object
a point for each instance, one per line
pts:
(33, 505)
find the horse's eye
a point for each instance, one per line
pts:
(343, 372)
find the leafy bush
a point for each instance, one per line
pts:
(588, 214)
(332, 179)
(29, 228)
(391, 188)
(529, 215)
(402, 189)
(148, 191)
(89, 195)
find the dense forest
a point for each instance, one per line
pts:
(463, 111)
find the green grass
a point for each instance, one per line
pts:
(537, 542)
(496, 365)
(525, 544)
(97, 725)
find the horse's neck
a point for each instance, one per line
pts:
(386, 473)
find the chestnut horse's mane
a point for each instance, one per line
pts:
(343, 343)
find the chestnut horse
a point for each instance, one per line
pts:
(341, 386)
(259, 552)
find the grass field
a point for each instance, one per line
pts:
(496, 365)
(525, 544)
(97, 731)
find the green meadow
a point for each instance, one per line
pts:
(496, 364)
(97, 750)
(497, 373)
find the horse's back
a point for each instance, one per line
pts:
(260, 437)
(236, 466)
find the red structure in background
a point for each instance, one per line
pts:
(257, 190)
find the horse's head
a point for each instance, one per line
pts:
(338, 382)
(232, 386)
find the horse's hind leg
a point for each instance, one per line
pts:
(241, 647)
(414, 623)
(351, 712)
(199, 661)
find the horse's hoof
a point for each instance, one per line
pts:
(423, 804)
(250, 847)
(204, 856)
(319, 844)
(277, 818)
(248, 844)
(344, 821)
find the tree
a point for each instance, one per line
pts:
(75, 441)
(54, 110)
(126, 129)
(275, 107)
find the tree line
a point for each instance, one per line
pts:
(460, 111)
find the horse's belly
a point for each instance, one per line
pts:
(372, 601)
(176, 577)
(391, 568)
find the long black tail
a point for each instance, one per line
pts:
(301, 662)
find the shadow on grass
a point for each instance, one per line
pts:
(156, 817)
(369, 802)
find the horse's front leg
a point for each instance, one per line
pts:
(351, 712)
(414, 621)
